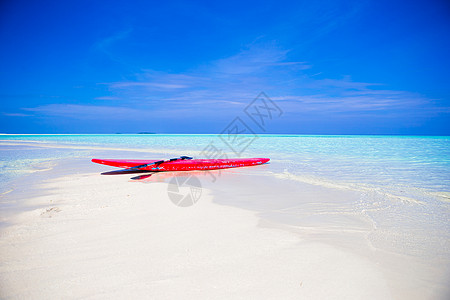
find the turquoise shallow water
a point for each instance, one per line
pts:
(398, 162)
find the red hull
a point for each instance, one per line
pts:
(184, 165)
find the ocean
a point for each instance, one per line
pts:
(395, 163)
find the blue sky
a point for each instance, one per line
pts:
(333, 67)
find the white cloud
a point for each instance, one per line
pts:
(235, 80)
(107, 98)
(228, 84)
(16, 115)
(87, 111)
(149, 85)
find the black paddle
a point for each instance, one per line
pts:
(137, 169)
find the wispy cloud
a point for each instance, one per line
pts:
(117, 113)
(345, 95)
(149, 85)
(112, 98)
(16, 115)
(87, 111)
(235, 80)
(230, 80)
(106, 44)
(249, 61)
(226, 85)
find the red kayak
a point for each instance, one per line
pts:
(183, 163)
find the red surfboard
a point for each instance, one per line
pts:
(183, 163)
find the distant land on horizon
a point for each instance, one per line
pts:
(257, 134)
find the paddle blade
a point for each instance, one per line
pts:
(125, 171)
(141, 177)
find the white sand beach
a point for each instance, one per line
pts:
(106, 237)
(84, 235)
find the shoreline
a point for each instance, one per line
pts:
(317, 256)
